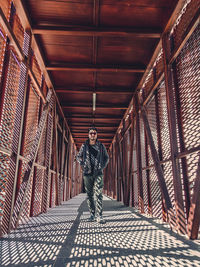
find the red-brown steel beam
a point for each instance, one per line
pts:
(181, 139)
(180, 214)
(99, 91)
(96, 31)
(194, 213)
(92, 68)
(139, 159)
(102, 106)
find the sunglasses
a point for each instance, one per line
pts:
(94, 133)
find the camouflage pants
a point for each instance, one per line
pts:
(94, 188)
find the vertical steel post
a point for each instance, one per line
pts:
(180, 214)
(139, 159)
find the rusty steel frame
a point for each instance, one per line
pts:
(16, 145)
(180, 216)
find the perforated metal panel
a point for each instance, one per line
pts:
(53, 191)
(5, 6)
(184, 19)
(145, 191)
(192, 162)
(151, 113)
(156, 198)
(188, 72)
(135, 191)
(37, 201)
(27, 203)
(2, 49)
(18, 30)
(164, 124)
(36, 70)
(31, 122)
(9, 102)
(4, 165)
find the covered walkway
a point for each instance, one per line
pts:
(130, 68)
(63, 237)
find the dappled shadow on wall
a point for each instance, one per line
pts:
(64, 237)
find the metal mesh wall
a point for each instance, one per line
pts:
(18, 30)
(5, 6)
(36, 70)
(188, 72)
(4, 165)
(156, 198)
(9, 102)
(192, 162)
(151, 112)
(37, 200)
(31, 121)
(164, 124)
(27, 203)
(2, 49)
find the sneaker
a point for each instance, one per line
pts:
(92, 218)
(101, 220)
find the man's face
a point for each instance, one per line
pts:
(92, 135)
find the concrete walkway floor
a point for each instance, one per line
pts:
(63, 237)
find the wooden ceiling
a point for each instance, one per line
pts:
(97, 46)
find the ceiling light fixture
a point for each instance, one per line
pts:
(94, 101)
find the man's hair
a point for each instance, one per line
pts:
(92, 128)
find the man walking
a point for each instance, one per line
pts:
(93, 158)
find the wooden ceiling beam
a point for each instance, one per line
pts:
(97, 31)
(89, 68)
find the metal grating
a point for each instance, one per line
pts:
(151, 113)
(2, 49)
(46, 187)
(9, 102)
(164, 124)
(31, 122)
(188, 72)
(149, 81)
(42, 147)
(156, 197)
(145, 191)
(36, 70)
(192, 162)
(37, 201)
(188, 12)
(27, 202)
(135, 191)
(168, 175)
(53, 191)
(5, 6)
(159, 63)
(18, 30)
(4, 165)
(142, 142)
